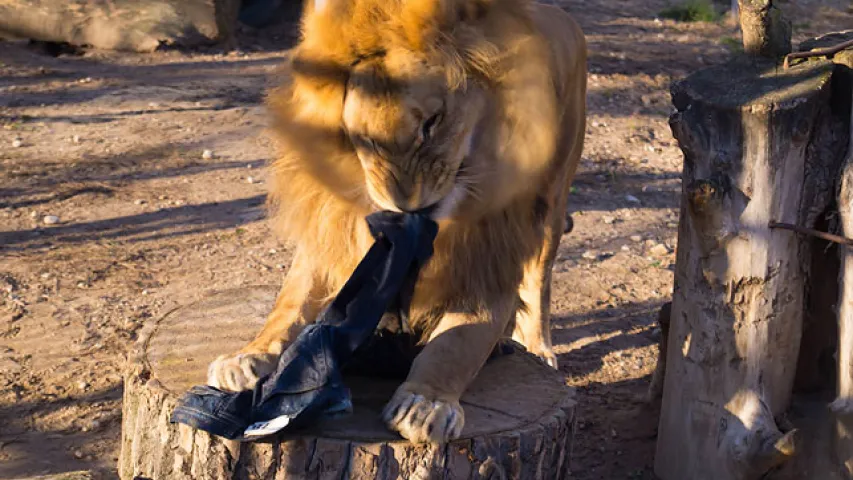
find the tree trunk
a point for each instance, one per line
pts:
(766, 32)
(747, 131)
(843, 404)
(509, 432)
(134, 25)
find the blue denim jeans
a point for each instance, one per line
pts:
(308, 382)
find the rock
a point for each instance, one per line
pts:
(82, 384)
(636, 238)
(139, 202)
(626, 248)
(78, 454)
(590, 254)
(207, 154)
(632, 199)
(50, 219)
(91, 426)
(75, 139)
(251, 180)
(608, 219)
(659, 250)
(34, 214)
(17, 142)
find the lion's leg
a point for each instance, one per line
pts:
(298, 303)
(533, 319)
(425, 408)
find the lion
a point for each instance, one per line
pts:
(474, 108)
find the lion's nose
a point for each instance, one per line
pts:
(408, 196)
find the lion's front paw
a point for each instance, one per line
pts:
(239, 371)
(548, 357)
(546, 354)
(842, 406)
(422, 420)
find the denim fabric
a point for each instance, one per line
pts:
(307, 382)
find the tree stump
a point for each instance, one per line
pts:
(134, 25)
(519, 414)
(755, 140)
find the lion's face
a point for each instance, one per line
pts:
(411, 132)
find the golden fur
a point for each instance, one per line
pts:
(477, 106)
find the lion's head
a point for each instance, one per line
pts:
(407, 104)
(411, 131)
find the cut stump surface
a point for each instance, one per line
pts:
(519, 414)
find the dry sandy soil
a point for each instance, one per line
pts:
(111, 144)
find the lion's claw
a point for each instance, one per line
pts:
(421, 420)
(240, 371)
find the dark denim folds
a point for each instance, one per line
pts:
(307, 382)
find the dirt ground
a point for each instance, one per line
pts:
(112, 144)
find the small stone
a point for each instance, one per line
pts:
(636, 238)
(50, 219)
(162, 197)
(632, 199)
(82, 384)
(75, 139)
(608, 219)
(250, 166)
(153, 104)
(139, 202)
(671, 225)
(590, 254)
(17, 142)
(626, 248)
(34, 214)
(78, 454)
(207, 154)
(250, 180)
(659, 250)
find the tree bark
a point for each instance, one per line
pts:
(133, 25)
(747, 131)
(509, 432)
(766, 32)
(843, 404)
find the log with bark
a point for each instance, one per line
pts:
(519, 414)
(766, 31)
(754, 139)
(134, 25)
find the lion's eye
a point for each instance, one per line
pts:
(429, 126)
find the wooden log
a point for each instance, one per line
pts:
(133, 25)
(843, 404)
(766, 32)
(747, 130)
(519, 414)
